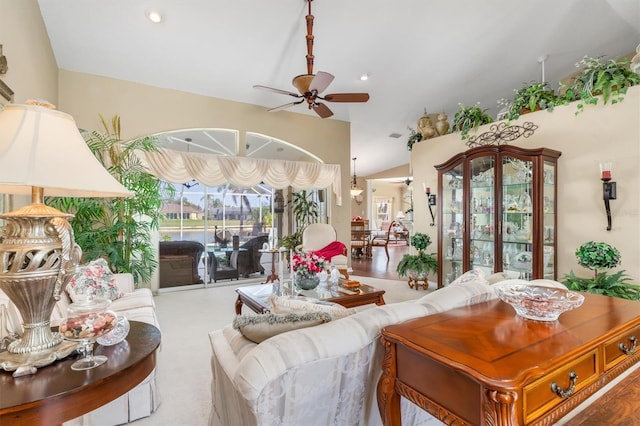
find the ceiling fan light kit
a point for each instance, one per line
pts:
(310, 85)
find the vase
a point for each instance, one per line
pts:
(307, 283)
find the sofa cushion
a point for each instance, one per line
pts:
(455, 296)
(474, 275)
(287, 304)
(258, 328)
(497, 277)
(94, 278)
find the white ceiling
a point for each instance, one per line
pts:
(419, 54)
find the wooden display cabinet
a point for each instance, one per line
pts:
(498, 212)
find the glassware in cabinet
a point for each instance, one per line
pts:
(508, 212)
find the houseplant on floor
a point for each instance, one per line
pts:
(416, 267)
(304, 211)
(114, 228)
(598, 77)
(598, 256)
(469, 118)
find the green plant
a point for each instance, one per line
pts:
(597, 255)
(468, 118)
(414, 137)
(119, 229)
(305, 209)
(532, 97)
(421, 264)
(598, 77)
(614, 285)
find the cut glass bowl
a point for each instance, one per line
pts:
(538, 303)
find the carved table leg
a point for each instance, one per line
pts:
(499, 408)
(388, 398)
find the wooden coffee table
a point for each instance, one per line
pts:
(255, 296)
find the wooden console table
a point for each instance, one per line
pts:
(483, 365)
(56, 393)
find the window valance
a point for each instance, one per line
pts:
(215, 170)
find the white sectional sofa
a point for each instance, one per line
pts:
(322, 375)
(136, 305)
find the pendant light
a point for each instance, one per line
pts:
(355, 190)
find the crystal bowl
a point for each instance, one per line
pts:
(538, 303)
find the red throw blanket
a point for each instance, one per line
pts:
(332, 249)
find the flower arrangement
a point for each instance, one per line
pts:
(307, 265)
(356, 218)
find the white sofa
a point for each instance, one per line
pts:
(321, 375)
(136, 305)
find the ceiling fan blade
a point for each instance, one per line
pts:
(285, 106)
(282, 92)
(346, 97)
(322, 110)
(321, 81)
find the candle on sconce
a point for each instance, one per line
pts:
(427, 190)
(605, 170)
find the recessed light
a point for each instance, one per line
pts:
(364, 77)
(395, 135)
(154, 16)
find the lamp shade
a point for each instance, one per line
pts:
(42, 147)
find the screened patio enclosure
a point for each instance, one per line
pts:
(214, 205)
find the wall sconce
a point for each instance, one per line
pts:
(431, 201)
(608, 190)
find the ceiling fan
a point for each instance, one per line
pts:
(310, 85)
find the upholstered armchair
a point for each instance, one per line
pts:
(319, 236)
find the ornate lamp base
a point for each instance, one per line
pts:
(28, 363)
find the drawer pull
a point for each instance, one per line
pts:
(573, 378)
(627, 350)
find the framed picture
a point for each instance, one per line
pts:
(6, 94)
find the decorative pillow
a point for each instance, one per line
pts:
(258, 328)
(287, 304)
(94, 278)
(497, 277)
(474, 275)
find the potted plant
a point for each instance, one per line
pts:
(305, 211)
(468, 118)
(598, 77)
(111, 228)
(598, 256)
(414, 137)
(533, 97)
(418, 266)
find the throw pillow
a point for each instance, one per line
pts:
(94, 278)
(287, 304)
(497, 277)
(474, 275)
(259, 328)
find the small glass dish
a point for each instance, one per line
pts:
(117, 334)
(538, 303)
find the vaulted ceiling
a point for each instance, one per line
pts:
(418, 54)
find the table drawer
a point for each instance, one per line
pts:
(614, 353)
(539, 396)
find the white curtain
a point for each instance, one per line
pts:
(215, 170)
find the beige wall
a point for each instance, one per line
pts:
(33, 73)
(610, 132)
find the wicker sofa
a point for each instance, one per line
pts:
(179, 262)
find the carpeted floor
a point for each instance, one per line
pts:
(183, 361)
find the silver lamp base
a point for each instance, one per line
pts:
(36, 253)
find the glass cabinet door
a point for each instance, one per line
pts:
(517, 216)
(549, 220)
(452, 223)
(482, 213)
